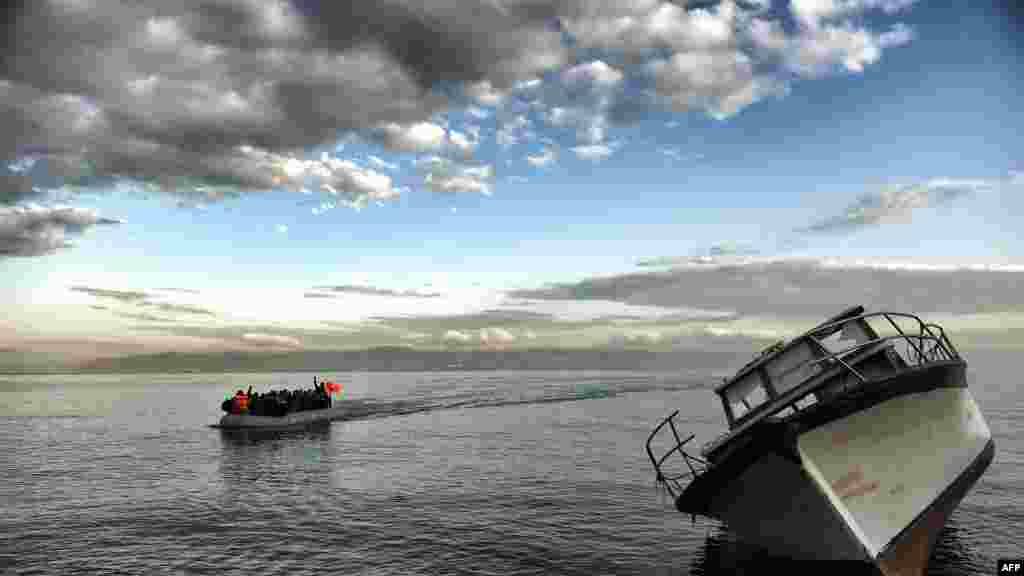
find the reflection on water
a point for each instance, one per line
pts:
(315, 431)
(276, 458)
(723, 553)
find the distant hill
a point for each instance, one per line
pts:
(398, 359)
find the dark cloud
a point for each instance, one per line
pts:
(120, 295)
(211, 98)
(169, 92)
(802, 287)
(371, 291)
(42, 230)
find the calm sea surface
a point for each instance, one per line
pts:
(503, 473)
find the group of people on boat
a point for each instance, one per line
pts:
(280, 402)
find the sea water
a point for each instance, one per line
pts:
(508, 473)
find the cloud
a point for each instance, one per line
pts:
(477, 112)
(445, 176)
(801, 287)
(513, 130)
(273, 340)
(592, 74)
(811, 13)
(484, 93)
(467, 322)
(493, 336)
(722, 82)
(456, 337)
(896, 203)
(715, 253)
(142, 317)
(546, 157)
(418, 137)
(181, 290)
(846, 48)
(208, 100)
(35, 230)
(178, 308)
(167, 94)
(674, 153)
(594, 152)
(381, 164)
(128, 296)
(636, 338)
(368, 291)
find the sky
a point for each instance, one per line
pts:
(285, 175)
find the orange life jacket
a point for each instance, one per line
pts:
(240, 403)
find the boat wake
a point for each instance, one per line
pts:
(495, 397)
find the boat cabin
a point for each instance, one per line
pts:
(845, 351)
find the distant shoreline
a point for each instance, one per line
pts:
(396, 360)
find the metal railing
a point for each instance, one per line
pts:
(696, 465)
(927, 346)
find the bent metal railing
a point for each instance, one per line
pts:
(929, 344)
(696, 465)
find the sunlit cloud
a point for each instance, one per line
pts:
(272, 340)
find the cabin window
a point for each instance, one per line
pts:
(746, 394)
(852, 334)
(792, 367)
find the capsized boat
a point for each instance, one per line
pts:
(842, 445)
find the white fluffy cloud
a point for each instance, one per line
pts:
(721, 82)
(546, 157)
(418, 137)
(445, 176)
(35, 230)
(594, 152)
(593, 73)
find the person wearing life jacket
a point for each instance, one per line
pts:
(240, 403)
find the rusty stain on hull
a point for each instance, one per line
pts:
(853, 484)
(909, 556)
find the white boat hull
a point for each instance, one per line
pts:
(886, 466)
(875, 486)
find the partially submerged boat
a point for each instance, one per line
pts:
(842, 445)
